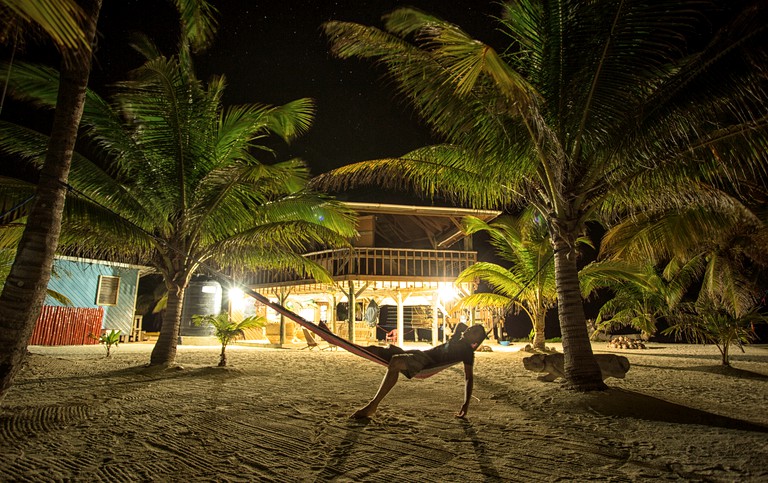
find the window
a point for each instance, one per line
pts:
(109, 288)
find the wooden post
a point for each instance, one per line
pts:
(351, 312)
(282, 296)
(435, 331)
(332, 315)
(400, 318)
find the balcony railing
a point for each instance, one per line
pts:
(378, 263)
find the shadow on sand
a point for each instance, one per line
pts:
(622, 403)
(488, 470)
(729, 371)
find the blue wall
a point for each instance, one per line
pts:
(79, 280)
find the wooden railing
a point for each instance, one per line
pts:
(378, 263)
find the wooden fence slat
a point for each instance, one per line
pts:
(67, 326)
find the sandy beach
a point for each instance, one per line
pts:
(282, 415)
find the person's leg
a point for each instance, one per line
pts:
(397, 364)
(385, 353)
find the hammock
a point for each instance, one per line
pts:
(332, 338)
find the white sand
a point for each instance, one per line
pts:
(282, 415)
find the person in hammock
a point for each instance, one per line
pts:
(460, 348)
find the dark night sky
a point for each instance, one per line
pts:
(274, 51)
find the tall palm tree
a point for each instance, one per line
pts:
(592, 110)
(529, 283)
(172, 180)
(24, 291)
(25, 288)
(60, 20)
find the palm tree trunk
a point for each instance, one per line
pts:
(25, 287)
(581, 370)
(539, 340)
(164, 352)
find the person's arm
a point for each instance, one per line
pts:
(468, 383)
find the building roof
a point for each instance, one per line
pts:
(411, 226)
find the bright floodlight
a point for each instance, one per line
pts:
(447, 292)
(235, 293)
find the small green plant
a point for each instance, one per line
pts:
(108, 339)
(710, 323)
(226, 330)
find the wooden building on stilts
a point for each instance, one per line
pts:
(395, 284)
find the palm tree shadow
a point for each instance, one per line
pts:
(729, 371)
(128, 379)
(629, 404)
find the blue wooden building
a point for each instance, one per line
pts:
(99, 284)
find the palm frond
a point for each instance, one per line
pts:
(198, 22)
(61, 20)
(485, 300)
(659, 236)
(614, 274)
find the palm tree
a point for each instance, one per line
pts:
(529, 283)
(593, 110)
(715, 255)
(227, 330)
(24, 291)
(641, 296)
(172, 180)
(25, 288)
(710, 322)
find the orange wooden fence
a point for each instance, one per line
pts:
(67, 326)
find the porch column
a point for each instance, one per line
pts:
(282, 297)
(400, 317)
(435, 331)
(351, 312)
(332, 314)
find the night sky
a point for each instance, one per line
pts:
(274, 52)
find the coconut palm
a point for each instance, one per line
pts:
(227, 330)
(592, 110)
(641, 296)
(715, 255)
(529, 283)
(173, 180)
(25, 288)
(23, 295)
(711, 322)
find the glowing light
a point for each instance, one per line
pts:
(235, 293)
(447, 293)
